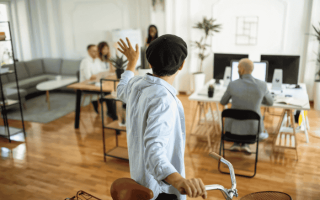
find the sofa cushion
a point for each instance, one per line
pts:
(70, 67)
(13, 93)
(34, 81)
(4, 79)
(23, 84)
(21, 72)
(52, 65)
(34, 67)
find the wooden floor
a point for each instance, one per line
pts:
(57, 161)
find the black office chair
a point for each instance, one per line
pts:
(249, 139)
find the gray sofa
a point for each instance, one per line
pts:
(30, 73)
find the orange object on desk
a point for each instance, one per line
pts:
(2, 35)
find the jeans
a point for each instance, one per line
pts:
(111, 106)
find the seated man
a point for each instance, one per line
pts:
(247, 93)
(89, 67)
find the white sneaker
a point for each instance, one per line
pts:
(263, 136)
(235, 147)
(246, 148)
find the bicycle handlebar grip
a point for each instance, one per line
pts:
(215, 156)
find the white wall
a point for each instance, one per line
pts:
(281, 29)
(64, 28)
(312, 47)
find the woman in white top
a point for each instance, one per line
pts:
(104, 56)
(105, 65)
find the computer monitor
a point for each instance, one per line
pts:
(221, 61)
(259, 72)
(289, 65)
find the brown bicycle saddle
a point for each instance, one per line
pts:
(128, 189)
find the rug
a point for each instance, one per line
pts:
(61, 104)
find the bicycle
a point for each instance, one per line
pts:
(131, 190)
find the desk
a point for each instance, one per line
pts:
(85, 87)
(287, 109)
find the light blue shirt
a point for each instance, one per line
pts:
(156, 131)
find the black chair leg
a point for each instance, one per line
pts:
(255, 164)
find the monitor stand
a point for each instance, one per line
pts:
(277, 80)
(217, 82)
(227, 76)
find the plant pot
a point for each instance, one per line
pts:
(142, 72)
(198, 80)
(316, 95)
(119, 72)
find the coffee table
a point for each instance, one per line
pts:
(54, 84)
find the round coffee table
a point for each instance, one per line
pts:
(54, 84)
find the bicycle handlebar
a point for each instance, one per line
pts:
(227, 193)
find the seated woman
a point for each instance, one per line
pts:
(104, 56)
(104, 61)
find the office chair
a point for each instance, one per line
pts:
(249, 139)
(128, 189)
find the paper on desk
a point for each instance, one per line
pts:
(291, 101)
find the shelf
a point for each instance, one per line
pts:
(8, 72)
(118, 152)
(115, 126)
(5, 130)
(9, 102)
(12, 130)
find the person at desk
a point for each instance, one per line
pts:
(89, 67)
(104, 56)
(247, 93)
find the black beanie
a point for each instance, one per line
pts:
(166, 54)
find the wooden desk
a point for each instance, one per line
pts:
(108, 86)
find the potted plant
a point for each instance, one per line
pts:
(316, 96)
(119, 63)
(209, 27)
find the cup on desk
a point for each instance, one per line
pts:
(58, 78)
(210, 91)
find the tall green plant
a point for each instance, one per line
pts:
(318, 72)
(209, 27)
(317, 35)
(317, 32)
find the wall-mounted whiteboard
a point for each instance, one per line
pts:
(134, 36)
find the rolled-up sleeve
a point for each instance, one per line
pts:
(122, 88)
(160, 124)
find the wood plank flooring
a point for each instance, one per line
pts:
(57, 161)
